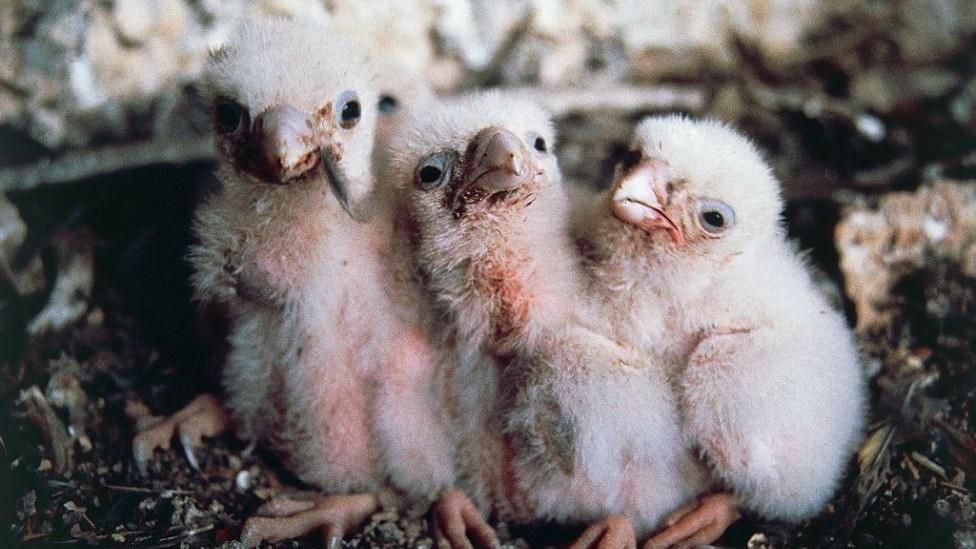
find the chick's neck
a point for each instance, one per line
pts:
(285, 231)
(509, 267)
(636, 278)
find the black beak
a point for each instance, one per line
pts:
(339, 183)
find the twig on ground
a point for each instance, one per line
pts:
(929, 464)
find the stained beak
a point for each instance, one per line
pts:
(277, 150)
(286, 143)
(500, 162)
(339, 182)
(640, 197)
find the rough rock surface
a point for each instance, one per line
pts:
(25, 275)
(904, 231)
(79, 72)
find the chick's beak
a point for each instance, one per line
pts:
(286, 143)
(499, 162)
(641, 198)
(279, 147)
(338, 181)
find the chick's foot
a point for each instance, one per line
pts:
(204, 416)
(613, 532)
(698, 523)
(457, 522)
(286, 518)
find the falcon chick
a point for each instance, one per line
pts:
(553, 421)
(478, 184)
(323, 342)
(688, 255)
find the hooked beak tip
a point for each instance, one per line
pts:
(339, 184)
(501, 161)
(637, 199)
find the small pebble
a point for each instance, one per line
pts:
(243, 480)
(758, 541)
(870, 127)
(147, 505)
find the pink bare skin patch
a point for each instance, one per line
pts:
(281, 259)
(502, 278)
(404, 383)
(344, 413)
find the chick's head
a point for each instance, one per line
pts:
(695, 187)
(399, 91)
(481, 157)
(293, 104)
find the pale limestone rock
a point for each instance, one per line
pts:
(398, 34)
(884, 89)
(879, 244)
(776, 27)
(69, 299)
(76, 69)
(927, 30)
(80, 72)
(666, 37)
(13, 232)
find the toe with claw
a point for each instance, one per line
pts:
(698, 523)
(203, 417)
(613, 532)
(285, 518)
(457, 522)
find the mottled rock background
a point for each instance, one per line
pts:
(866, 109)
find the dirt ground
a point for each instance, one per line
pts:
(68, 398)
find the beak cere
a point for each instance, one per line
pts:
(641, 198)
(498, 161)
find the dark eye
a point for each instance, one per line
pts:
(348, 109)
(433, 171)
(387, 104)
(539, 143)
(715, 216)
(430, 174)
(631, 158)
(229, 115)
(714, 219)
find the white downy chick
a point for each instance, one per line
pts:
(688, 254)
(322, 341)
(476, 176)
(538, 398)
(399, 91)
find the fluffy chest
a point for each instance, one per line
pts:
(281, 245)
(628, 455)
(504, 280)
